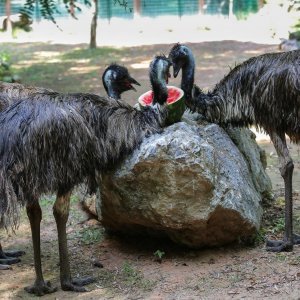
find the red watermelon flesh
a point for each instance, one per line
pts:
(175, 101)
(173, 95)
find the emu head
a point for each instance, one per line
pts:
(159, 78)
(179, 55)
(116, 80)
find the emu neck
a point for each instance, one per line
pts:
(188, 71)
(160, 92)
(113, 93)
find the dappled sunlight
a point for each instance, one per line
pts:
(47, 54)
(142, 65)
(84, 69)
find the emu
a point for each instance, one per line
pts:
(9, 93)
(116, 80)
(263, 91)
(51, 142)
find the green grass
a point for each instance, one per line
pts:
(91, 54)
(61, 68)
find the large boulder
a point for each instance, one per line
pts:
(190, 183)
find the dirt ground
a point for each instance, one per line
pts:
(131, 270)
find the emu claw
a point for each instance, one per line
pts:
(76, 285)
(9, 260)
(72, 287)
(278, 246)
(41, 288)
(296, 239)
(83, 280)
(4, 267)
(10, 257)
(14, 253)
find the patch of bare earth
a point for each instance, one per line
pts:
(130, 268)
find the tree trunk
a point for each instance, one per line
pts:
(7, 26)
(93, 42)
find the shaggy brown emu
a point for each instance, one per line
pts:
(51, 142)
(264, 91)
(117, 80)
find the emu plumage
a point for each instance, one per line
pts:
(51, 142)
(116, 80)
(263, 91)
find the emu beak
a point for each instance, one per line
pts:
(176, 69)
(133, 81)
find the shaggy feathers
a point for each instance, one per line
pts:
(11, 92)
(264, 91)
(52, 142)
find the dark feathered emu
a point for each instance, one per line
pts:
(51, 142)
(117, 80)
(263, 91)
(12, 92)
(9, 93)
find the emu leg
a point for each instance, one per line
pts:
(14, 253)
(40, 287)
(6, 259)
(286, 170)
(61, 214)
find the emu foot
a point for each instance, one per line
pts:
(279, 246)
(76, 285)
(4, 267)
(40, 288)
(9, 261)
(10, 257)
(296, 239)
(14, 253)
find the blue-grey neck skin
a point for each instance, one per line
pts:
(108, 79)
(188, 71)
(112, 93)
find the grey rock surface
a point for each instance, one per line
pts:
(190, 183)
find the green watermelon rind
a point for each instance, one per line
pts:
(175, 109)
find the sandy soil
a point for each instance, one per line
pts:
(130, 268)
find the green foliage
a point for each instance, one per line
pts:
(278, 226)
(49, 8)
(131, 277)
(90, 236)
(6, 73)
(160, 254)
(87, 235)
(295, 8)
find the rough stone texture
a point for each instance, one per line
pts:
(190, 183)
(255, 157)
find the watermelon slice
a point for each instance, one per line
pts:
(175, 101)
